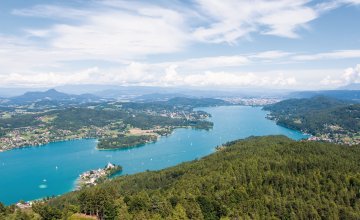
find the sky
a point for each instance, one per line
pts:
(275, 44)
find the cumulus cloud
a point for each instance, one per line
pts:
(126, 33)
(352, 74)
(150, 75)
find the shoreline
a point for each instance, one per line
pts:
(95, 176)
(151, 142)
(72, 186)
(313, 137)
(41, 145)
(97, 138)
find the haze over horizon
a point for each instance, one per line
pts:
(213, 44)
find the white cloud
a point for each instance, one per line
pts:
(224, 79)
(134, 73)
(116, 36)
(151, 75)
(355, 2)
(330, 81)
(171, 77)
(206, 63)
(125, 33)
(334, 4)
(51, 11)
(272, 54)
(233, 19)
(352, 75)
(209, 62)
(340, 54)
(109, 33)
(118, 30)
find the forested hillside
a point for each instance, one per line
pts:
(343, 94)
(260, 178)
(327, 118)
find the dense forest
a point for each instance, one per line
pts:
(316, 115)
(123, 141)
(257, 178)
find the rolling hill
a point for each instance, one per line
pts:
(51, 96)
(332, 119)
(350, 95)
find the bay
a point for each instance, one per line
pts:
(52, 169)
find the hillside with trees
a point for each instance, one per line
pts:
(269, 177)
(351, 93)
(326, 118)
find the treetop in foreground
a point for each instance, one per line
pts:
(259, 178)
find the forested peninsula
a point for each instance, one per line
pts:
(325, 118)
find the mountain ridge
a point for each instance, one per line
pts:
(51, 95)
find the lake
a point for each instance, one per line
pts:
(52, 169)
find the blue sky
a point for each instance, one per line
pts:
(281, 44)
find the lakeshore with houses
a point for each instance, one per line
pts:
(93, 177)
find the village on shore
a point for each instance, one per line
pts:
(94, 177)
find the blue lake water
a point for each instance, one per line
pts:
(52, 169)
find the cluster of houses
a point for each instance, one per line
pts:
(36, 136)
(24, 205)
(16, 138)
(92, 177)
(252, 101)
(188, 114)
(338, 139)
(30, 136)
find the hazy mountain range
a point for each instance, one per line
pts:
(94, 93)
(353, 95)
(49, 96)
(125, 92)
